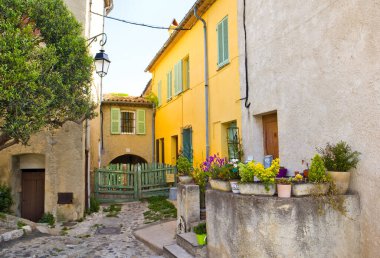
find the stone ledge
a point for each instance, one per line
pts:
(258, 226)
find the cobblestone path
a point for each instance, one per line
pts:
(83, 239)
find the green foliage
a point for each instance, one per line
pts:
(317, 172)
(184, 166)
(284, 181)
(113, 210)
(223, 173)
(6, 200)
(200, 229)
(339, 157)
(246, 173)
(45, 69)
(200, 179)
(119, 94)
(159, 208)
(47, 218)
(20, 224)
(94, 205)
(152, 98)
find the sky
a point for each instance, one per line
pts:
(131, 48)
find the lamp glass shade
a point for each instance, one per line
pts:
(102, 63)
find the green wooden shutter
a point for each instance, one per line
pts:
(159, 93)
(178, 78)
(225, 40)
(223, 52)
(220, 42)
(169, 85)
(140, 125)
(115, 120)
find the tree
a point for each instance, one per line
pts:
(45, 69)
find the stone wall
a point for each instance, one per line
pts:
(251, 226)
(317, 64)
(188, 207)
(63, 151)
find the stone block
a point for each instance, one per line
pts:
(253, 226)
(11, 235)
(188, 207)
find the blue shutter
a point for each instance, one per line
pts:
(223, 52)
(187, 144)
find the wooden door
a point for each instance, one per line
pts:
(33, 194)
(270, 129)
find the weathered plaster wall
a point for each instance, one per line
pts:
(317, 63)
(64, 169)
(250, 226)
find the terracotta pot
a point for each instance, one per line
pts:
(185, 179)
(256, 189)
(221, 185)
(235, 186)
(341, 180)
(304, 189)
(284, 191)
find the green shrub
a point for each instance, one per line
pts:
(94, 205)
(339, 157)
(200, 229)
(20, 224)
(317, 172)
(47, 218)
(184, 166)
(6, 200)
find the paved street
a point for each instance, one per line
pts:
(85, 239)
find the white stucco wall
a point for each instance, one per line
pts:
(317, 63)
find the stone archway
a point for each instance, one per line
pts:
(128, 159)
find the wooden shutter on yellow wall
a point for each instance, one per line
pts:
(115, 120)
(140, 125)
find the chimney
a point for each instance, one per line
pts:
(173, 26)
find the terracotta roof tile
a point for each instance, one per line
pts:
(126, 99)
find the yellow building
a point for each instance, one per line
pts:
(178, 80)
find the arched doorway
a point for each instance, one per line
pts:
(128, 159)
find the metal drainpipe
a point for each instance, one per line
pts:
(153, 131)
(206, 79)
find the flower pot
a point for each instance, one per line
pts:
(309, 188)
(185, 179)
(341, 180)
(221, 185)
(235, 186)
(256, 189)
(284, 191)
(201, 239)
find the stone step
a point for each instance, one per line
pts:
(188, 241)
(175, 251)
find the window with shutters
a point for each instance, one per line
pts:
(127, 122)
(169, 85)
(181, 75)
(222, 33)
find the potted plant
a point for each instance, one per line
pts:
(338, 160)
(235, 177)
(184, 168)
(266, 177)
(219, 172)
(284, 187)
(201, 233)
(317, 183)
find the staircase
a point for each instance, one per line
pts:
(186, 246)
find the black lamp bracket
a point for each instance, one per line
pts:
(102, 42)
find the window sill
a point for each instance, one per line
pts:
(128, 133)
(222, 65)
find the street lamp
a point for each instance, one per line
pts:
(102, 63)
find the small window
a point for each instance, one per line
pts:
(222, 31)
(127, 122)
(233, 142)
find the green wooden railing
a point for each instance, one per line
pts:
(126, 182)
